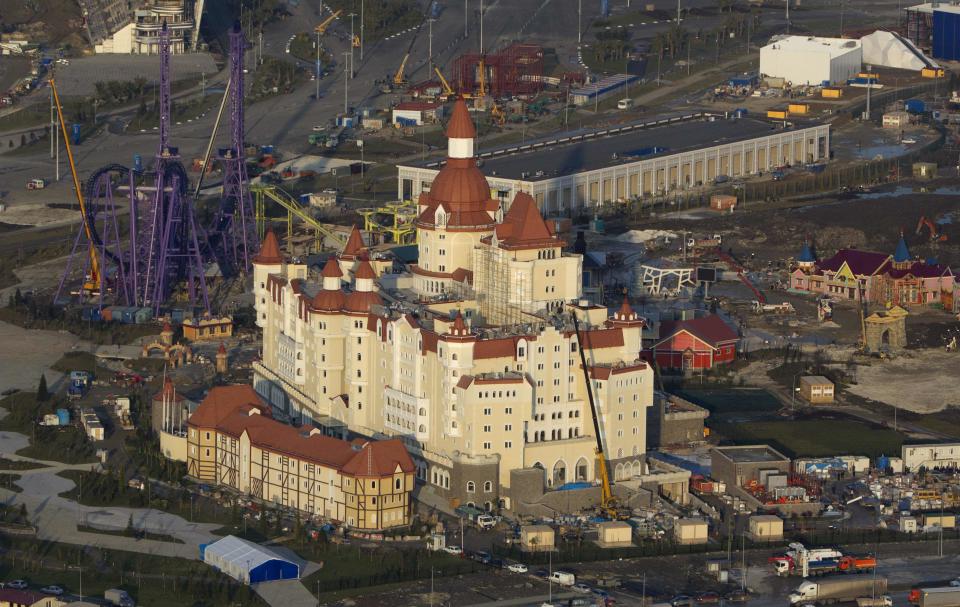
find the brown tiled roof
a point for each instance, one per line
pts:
(269, 253)
(463, 192)
(379, 458)
(222, 349)
(365, 270)
(711, 329)
(601, 338)
(428, 341)
(361, 301)
(501, 347)
(523, 225)
(168, 389)
(223, 401)
(465, 381)
(461, 275)
(354, 246)
(328, 300)
(460, 125)
(331, 269)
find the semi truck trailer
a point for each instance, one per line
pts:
(947, 596)
(837, 590)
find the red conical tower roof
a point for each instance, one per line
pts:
(331, 269)
(460, 125)
(222, 349)
(269, 251)
(354, 246)
(365, 270)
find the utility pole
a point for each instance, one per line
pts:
(481, 27)
(579, 18)
(351, 15)
(466, 13)
(430, 45)
(346, 78)
(361, 32)
(678, 12)
(317, 74)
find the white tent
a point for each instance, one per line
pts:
(248, 562)
(888, 49)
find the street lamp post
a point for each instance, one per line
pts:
(430, 44)
(317, 74)
(361, 32)
(351, 15)
(346, 78)
(579, 18)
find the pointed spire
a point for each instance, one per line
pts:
(806, 254)
(269, 254)
(222, 349)
(459, 326)
(460, 125)
(354, 246)
(902, 254)
(626, 312)
(365, 271)
(331, 269)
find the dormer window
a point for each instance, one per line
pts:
(441, 218)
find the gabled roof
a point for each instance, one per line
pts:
(269, 253)
(523, 225)
(223, 401)
(460, 125)
(379, 458)
(711, 330)
(920, 269)
(861, 263)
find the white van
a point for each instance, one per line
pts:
(564, 578)
(625, 104)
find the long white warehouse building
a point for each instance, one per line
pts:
(811, 60)
(634, 161)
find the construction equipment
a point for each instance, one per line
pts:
(447, 89)
(400, 77)
(93, 283)
(288, 202)
(322, 27)
(935, 234)
(608, 504)
(356, 41)
(482, 78)
(497, 114)
(399, 225)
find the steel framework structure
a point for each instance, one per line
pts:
(515, 70)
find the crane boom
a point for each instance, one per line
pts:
(447, 90)
(399, 78)
(322, 28)
(95, 283)
(606, 494)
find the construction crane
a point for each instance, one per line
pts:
(356, 41)
(935, 234)
(447, 89)
(400, 77)
(94, 283)
(322, 28)
(482, 68)
(608, 504)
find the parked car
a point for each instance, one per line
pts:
(17, 585)
(681, 601)
(542, 573)
(581, 588)
(707, 598)
(453, 549)
(481, 557)
(517, 568)
(54, 590)
(737, 596)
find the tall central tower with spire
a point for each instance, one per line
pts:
(455, 214)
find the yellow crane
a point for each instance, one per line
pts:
(322, 28)
(608, 504)
(483, 79)
(94, 283)
(399, 78)
(447, 89)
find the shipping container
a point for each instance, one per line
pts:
(831, 93)
(798, 108)
(143, 315)
(64, 416)
(777, 114)
(914, 106)
(107, 313)
(946, 35)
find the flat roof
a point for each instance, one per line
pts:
(568, 155)
(813, 44)
(929, 8)
(753, 454)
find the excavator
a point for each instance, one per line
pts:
(322, 28)
(93, 283)
(935, 234)
(608, 503)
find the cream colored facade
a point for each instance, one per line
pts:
(316, 488)
(537, 538)
(690, 531)
(481, 382)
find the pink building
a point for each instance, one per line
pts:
(874, 277)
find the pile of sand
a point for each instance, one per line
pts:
(642, 236)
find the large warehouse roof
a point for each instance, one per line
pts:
(238, 558)
(835, 47)
(551, 161)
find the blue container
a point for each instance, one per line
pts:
(883, 462)
(127, 315)
(75, 134)
(137, 163)
(64, 416)
(266, 149)
(946, 35)
(914, 106)
(177, 315)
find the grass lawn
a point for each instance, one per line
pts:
(7, 480)
(97, 332)
(732, 400)
(10, 464)
(815, 437)
(62, 444)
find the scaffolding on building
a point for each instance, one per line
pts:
(500, 296)
(515, 70)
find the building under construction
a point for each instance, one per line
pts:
(515, 70)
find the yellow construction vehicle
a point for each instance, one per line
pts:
(497, 114)
(400, 78)
(93, 283)
(608, 504)
(322, 28)
(356, 41)
(447, 89)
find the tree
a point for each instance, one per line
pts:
(42, 393)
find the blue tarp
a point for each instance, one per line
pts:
(572, 486)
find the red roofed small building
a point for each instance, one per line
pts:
(233, 441)
(417, 112)
(694, 345)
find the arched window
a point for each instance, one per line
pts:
(454, 356)
(423, 411)
(488, 486)
(471, 487)
(422, 428)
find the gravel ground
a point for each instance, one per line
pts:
(79, 77)
(922, 382)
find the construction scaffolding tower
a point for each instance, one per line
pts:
(515, 70)
(502, 298)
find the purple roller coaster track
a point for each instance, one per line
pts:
(165, 249)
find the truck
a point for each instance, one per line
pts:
(946, 596)
(837, 590)
(824, 566)
(880, 601)
(36, 184)
(705, 243)
(118, 597)
(564, 578)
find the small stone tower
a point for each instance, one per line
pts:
(166, 335)
(221, 362)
